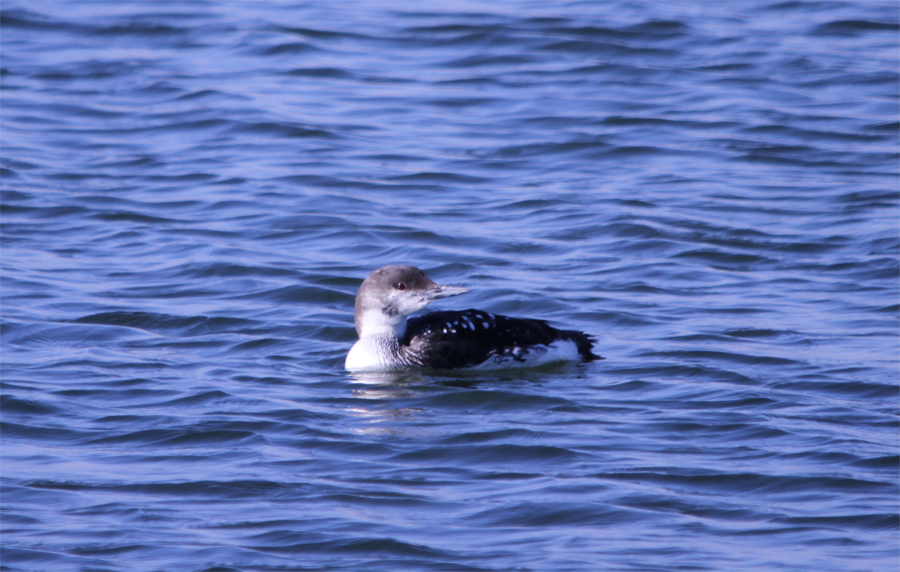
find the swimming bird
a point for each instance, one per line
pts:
(467, 339)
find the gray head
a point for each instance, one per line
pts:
(391, 293)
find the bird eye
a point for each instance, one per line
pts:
(400, 286)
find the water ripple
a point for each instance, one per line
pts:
(192, 193)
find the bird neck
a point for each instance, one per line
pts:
(377, 324)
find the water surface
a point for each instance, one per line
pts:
(193, 191)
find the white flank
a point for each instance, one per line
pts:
(558, 351)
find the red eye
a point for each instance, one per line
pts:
(401, 286)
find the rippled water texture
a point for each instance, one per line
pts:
(193, 191)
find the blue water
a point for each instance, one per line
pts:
(193, 191)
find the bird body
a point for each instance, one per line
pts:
(467, 339)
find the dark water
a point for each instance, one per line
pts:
(192, 192)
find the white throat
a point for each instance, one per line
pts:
(375, 323)
(379, 341)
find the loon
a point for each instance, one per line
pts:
(467, 339)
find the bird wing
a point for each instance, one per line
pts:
(459, 339)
